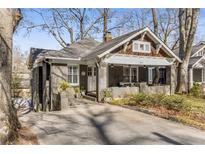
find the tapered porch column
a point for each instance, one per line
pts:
(173, 79)
(102, 79)
(190, 78)
(203, 71)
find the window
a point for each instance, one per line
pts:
(162, 78)
(92, 71)
(89, 71)
(134, 76)
(140, 46)
(73, 74)
(95, 71)
(126, 74)
(130, 74)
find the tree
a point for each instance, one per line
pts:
(9, 121)
(66, 25)
(105, 22)
(169, 27)
(188, 21)
(155, 26)
(155, 21)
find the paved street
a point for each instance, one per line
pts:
(91, 123)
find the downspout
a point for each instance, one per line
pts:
(97, 78)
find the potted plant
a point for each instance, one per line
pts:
(107, 96)
(77, 92)
(66, 93)
(82, 91)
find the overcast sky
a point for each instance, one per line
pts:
(41, 39)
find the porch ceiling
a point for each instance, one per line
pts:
(138, 60)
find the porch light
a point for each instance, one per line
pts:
(144, 66)
(111, 65)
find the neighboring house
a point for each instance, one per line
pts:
(196, 64)
(124, 65)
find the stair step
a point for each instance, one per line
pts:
(91, 98)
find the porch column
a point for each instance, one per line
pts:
(203, 71)
(35, 88)
(173, 78)
(190, 78)
(44, 74)
(102, 80)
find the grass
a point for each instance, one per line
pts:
(197, 104)
(182, 108)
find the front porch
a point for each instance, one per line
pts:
(138, 74)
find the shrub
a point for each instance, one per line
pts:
(63, 85)
(120, 101)
(174, 102)
(107, 93)
(138, 99)
(155, 99)
(77, 90)
(196, 90)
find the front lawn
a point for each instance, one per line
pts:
(182, 108)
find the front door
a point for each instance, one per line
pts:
(91, 78)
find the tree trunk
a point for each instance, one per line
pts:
(8, 117)
(155, 23)
(105, 22)
(81, 28)
(188, 21)
(155, 20)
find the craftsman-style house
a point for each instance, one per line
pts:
(126, 64)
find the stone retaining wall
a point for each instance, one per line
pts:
(120, 92)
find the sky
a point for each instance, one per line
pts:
(41, 39)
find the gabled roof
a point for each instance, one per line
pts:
(195, 48)
(90, 48)
(79, 49)
(74, 51)
(107, 47)
(34, 54)
(195, 60)
(101, 48)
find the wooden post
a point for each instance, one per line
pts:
(173, 78)
(102, 80)
(203, 74)
(190, 78)
(44, 74)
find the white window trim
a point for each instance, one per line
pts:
(78, 75)
(150, 75)
(130, 72)
(141, 42)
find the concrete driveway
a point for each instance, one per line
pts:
(91, 123)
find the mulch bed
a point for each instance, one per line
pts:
(26, 137)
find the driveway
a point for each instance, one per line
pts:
(91, 123)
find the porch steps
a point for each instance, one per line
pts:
(90, 97)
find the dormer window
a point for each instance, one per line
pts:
(140, 46)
